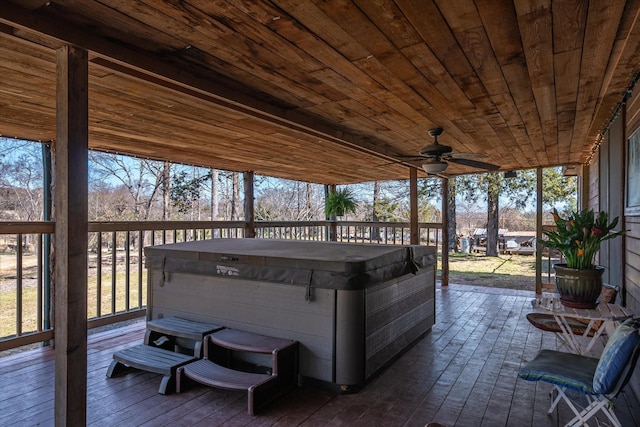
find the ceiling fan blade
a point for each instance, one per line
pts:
(474, 163)
(404, 160)
(410, 158)
(473, 156)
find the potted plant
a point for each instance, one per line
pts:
(340, 202)
(578, 239)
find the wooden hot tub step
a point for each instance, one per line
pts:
(208, 373)
(235, 339)
(179, 333)
(151, 359)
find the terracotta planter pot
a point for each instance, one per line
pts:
(578, 288)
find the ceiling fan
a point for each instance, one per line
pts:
(437, 156)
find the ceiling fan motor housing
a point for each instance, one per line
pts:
(435, 150)
(435, 167)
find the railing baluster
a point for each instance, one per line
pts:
(127, 269)
(114, 262)
(40, 288)
(140, 253)
(99, 276)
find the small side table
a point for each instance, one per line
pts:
(597, 320)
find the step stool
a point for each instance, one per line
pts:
(261, 388)
(151, 359)
(178, 333)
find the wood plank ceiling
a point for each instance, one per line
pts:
(327, 91)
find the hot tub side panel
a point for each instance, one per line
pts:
(272, 309)
(375, 325)
(398, 312)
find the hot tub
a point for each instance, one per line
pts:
(352, 307)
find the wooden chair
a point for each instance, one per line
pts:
(600, 380)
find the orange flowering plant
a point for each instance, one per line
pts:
(579, 236)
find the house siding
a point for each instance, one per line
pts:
(632, 222)
(607, 182)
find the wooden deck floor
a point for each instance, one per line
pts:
(463, 373)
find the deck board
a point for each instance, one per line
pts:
(462, 373)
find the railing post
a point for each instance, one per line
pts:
(539, 232)
(444, 277)
(414, 234)
(333, 226)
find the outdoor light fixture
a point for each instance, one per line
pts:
(510, 174)
(434, 167)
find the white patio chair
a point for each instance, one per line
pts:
(601, 380)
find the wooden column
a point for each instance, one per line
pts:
(444, 279)
(583, 188)
(413, 203)
(539, 231)
(333, 227)
(249, 212)
(70, 213)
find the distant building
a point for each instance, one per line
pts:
(512, 242)
(520, 242)
(479, 238)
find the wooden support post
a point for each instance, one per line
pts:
(539, 231)
(333, 227)
(444, 277)
(622, 200)
(71, 230)
(583, 188)
(413, 203)
(249, 212)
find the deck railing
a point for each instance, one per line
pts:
(116, 274)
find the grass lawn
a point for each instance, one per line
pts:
(8, 300)
(504, 271)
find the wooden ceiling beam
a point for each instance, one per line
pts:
(166, 71)
(602, 28)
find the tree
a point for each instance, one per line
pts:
(452, 224)
(309, 201)
(215, 189)
(283, 199)
(166, 191)
(518, 191)
(21, 180)
(235, 201)
(185, 190)
(375, 231)
(493, 182)
(141, 178)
